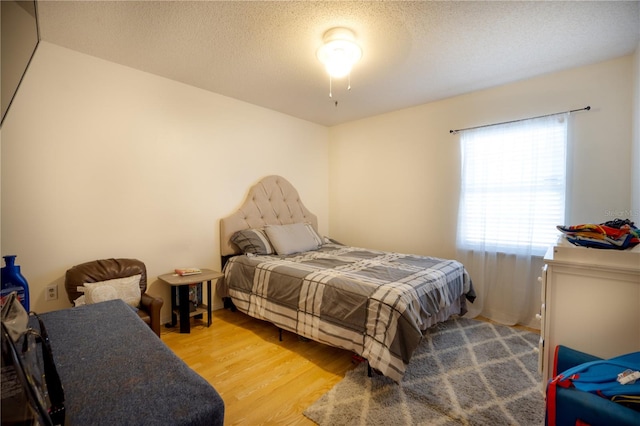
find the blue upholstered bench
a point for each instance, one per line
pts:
(115, 371)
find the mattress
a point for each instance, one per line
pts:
(376, 304)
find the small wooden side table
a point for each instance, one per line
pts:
(180, 292)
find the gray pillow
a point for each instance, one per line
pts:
(293, 238)
(252, 241)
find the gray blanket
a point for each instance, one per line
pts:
(116, 371)
(376, 304)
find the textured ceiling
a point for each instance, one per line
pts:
(264, 53)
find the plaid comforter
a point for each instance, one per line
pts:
(374, 303)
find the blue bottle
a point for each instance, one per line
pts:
(12, 280)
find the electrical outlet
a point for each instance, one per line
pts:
(51, 293)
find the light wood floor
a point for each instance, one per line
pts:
(261, 380)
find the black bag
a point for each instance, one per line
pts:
(31, 391)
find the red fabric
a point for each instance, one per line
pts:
(551, 392)
(551, 400)
(552, 388)
(555, 362)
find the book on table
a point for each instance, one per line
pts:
(187, 271)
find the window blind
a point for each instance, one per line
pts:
(513, 185)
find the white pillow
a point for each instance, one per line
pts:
(293, 238)
(127, 289)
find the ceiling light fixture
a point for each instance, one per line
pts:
(339, 53)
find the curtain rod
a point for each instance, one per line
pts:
(587, 108)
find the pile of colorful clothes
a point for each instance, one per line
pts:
(616, 234)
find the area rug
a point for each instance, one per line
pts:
(464, 372)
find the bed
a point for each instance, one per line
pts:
(377, 304)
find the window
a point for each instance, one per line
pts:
(513, 185)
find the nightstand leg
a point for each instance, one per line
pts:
(185, 320)
(208, 303)
(174, 297)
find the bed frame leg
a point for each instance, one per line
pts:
(369, 372)
(228, 304)
(279, 334)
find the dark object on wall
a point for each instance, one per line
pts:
(20, 38)
(13, 280)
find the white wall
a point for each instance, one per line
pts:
(394, 178)
(635, 157)
(101, 160)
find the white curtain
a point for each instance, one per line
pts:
(511, 199)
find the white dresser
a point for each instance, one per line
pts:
(590, 302)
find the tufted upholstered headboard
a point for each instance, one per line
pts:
(271, 201)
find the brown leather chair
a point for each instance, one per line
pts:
(107, 269)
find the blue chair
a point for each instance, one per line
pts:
(575, 407)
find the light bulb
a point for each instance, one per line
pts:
(339, 53)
